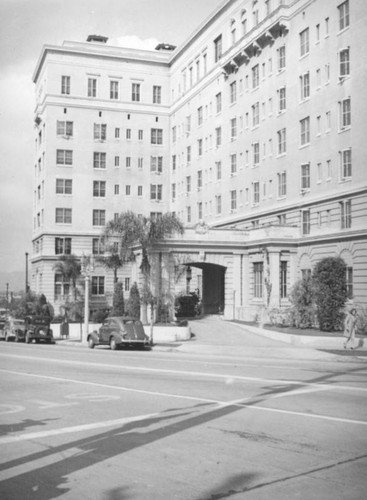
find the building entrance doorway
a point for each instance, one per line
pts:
(212, 287)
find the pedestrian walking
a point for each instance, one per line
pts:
(350, 328)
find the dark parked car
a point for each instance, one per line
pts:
(119, 331)
(13, 329)
(38, 328)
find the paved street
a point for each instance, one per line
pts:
(260, 421)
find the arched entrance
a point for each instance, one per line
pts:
(212, 293)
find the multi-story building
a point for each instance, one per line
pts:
(251, 132)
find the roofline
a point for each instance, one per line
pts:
(152, 57)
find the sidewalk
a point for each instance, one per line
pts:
(214, 336)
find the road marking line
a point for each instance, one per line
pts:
(75, 428)
(332, 387)
(238, 402)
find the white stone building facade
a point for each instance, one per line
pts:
(251, 132)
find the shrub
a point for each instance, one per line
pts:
(302, 312)
(186, 305)
(133, 305)
(99, 315)
(330, 292)
(118, 306)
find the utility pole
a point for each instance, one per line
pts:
(26, 273)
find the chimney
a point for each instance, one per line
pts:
(97, 39)
(165, 46)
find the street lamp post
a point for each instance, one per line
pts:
(87, 268)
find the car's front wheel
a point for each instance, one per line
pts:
(113, 344)
(91, 343)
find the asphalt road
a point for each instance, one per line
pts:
(120, 425)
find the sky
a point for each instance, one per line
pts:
(27, 25)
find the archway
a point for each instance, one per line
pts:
(213, 284)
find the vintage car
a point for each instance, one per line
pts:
(119, 331)
(13, 330)
(38, 328)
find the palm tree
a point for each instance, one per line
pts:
(113, 262)
(70, 268)
(131, 229)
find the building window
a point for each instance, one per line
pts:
(283, 279)
(117, 133)
(63, 216)
(62, 287)
(258, 279)
(218, 48)
(346, 214)
(188, 184)
(200, 115)
(97, 285)
(128, 134)
(256, 153)
(345, 113)
(140, 135)
(255, 114)
(282, 99)
(304, 42)
(62, 246)
(117, 189)
(114, 89)
(255, 76)
(65, 85)
(218, 204)
(200, 147)
(233, 92)
(188, 154)
(156, 164)
(97, 247)
(99, 217)
(343, 15)
(127, 190)
(156, 192)
(157, 94)
(281, 58)
(200, 179)
(218, 102)
(99, 160)
(156, 136)
(305, 176)
(346, 164)
(233, 129)
(282, 141)
(64, 186)
(256, 193)
(349, 282)
(127, 284)
(306, 222)
(344, 62)
(305, 131)
(140, 191)
(218, 136)
(218, 168)
(128, 161)
(233, 164)
(100, 131)
(99, 189)
(233, 200)
(200, 210)
(64, 128)
(92, 87)
(64, 157)
(135, 92)
(282, 184)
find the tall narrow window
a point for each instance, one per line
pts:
(255, 76)
(305, 131)
(233, 92)
(258, 279)
(135, 92)
(346, 214)
(65, 85)
(218, 48)
(255, 114)
(157, 94)
(306, 222)
(343, 15)
(256, 193)
(345, 113)
(92, 87)
(344, 62)
(233, 129)
(233, 200)
(305, 177)
(282, 99)
(283, 279)
(282, 184)
(346, 164)
(218, 102)
(256, 153)
(304, 42)
(349, 282)
(282, 141)
(281, 58)
(114, 89)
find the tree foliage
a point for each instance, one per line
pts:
(330, 292)
(70, 268)
(118, 305)
(302, 312)
(133, 307)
